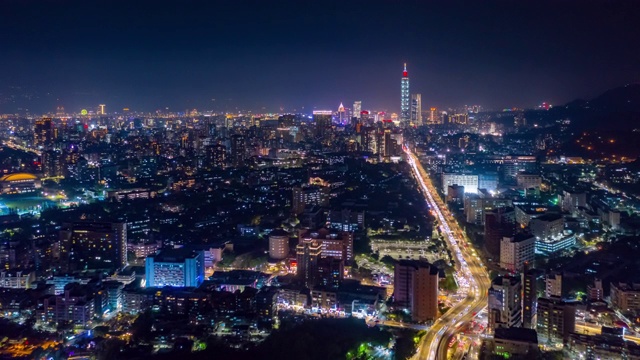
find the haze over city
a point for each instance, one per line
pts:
(260, 56)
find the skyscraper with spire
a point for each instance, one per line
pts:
(405, 114)
(342, 114)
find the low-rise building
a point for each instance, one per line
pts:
(508, 342)
(528, 181)
(17, 279)
(553, 245)
(525, 213)
(468, 181)
(547, 226)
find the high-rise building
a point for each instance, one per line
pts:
(307, 255)
(387, 145)
(477, 206)
(516, 251)
(434, 117)
(309, 195)
(498, 223)
(322, 120)
(556, 320)
(571, 201)
(330, 272)
(505, 303)
(357, 109)
(278, 244)
(43, 133)
(416, 287)
(405, 115)
(553, 285)
(529, 298)
(416, 109)
(52, 163)
(460, 119)
(364, 117)
(175, 267)
(238, 150)
(87, 245)
(346, 220)
(335, 244)
(342, 114)
(215, 156)
(102, 111)
(286, 120)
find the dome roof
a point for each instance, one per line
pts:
(18, 177)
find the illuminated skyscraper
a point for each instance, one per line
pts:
(342, 114)
(416, 109)
(43, 132)
(238, 150)
(215, 156)
(386, 140)
(405, 115)
(102, 109)
(434, 117)
(357, 108)
(307, 254)
(322, 119)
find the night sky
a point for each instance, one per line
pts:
(263, 55)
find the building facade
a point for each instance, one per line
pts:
(416, 287)
(175, 267)
(556, 320)
(505, 303)
(405, 115)
(416, 109)
(469, 181)
(517, 251)
(88, 245)
(278, 244)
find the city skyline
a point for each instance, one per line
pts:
(313, 56)
(319, 180)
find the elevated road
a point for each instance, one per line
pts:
(435, 344)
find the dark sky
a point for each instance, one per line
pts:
(149, 55)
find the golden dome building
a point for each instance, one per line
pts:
(19, 183)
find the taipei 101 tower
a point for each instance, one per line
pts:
(405, 115)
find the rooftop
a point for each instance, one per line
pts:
(18, 177)
(549, 217)
(521, 237)
(175, 255)
(517, 334)
(419, 264)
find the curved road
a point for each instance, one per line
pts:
(435, 344)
